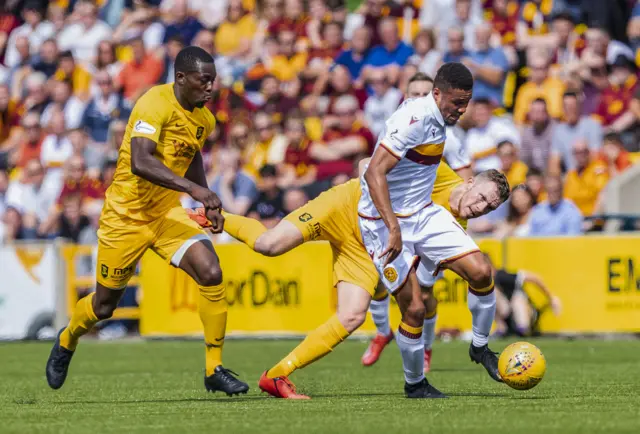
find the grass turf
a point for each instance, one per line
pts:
(156, 387)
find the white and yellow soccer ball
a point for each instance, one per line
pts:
(522, 365)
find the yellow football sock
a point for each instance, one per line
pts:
(82, 320)
(243, 229)
(316, 345)
(213, 314)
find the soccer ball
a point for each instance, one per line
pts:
(522, 365)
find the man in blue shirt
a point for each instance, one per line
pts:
(489, 67)
(183, 25)
(556, 216)
(354, 58)
(391, 55)
(455, 44)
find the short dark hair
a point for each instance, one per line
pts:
(563, 16)
(532, 171)
(570, 94)
(542, 100)
(189, 58)
(420, 76)
(66, 54)
(176, 38)
(612, 137)
(492, 175)
(268, 170)
(453, 75)
(482, 101)
(504, 143)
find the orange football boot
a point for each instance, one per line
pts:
(375, 349)
(279, 387)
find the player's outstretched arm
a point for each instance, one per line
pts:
(381, 163)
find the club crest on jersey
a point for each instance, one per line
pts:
(390, 274)
(104, 271)
(413, 120)
(199, 132)
(305, 217)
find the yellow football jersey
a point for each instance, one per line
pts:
(446, 181)
(178, 133)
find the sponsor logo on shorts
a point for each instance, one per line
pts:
(314, 230)
(390, 274)
(305, 217)
(199, 132)
(143, 128)
(104, 271)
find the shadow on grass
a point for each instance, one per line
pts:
(212, 399)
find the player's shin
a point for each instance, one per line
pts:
(316, 345)
(244, 229)
(409, 340)
(482, 304)
(429, 328)
(82, 321)
(213, 314)
(379, 309)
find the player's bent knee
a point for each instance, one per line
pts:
(351, 320)
(415, 312)
(209, 276)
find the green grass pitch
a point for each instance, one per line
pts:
(156, 387)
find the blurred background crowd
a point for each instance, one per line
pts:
(304, 88)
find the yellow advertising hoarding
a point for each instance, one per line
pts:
(290, 294)
(597, 278)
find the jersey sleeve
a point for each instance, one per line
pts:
(148, 117)
(454, 153)
(402, 132)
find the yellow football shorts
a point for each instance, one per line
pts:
(122, 241)
(333, 216)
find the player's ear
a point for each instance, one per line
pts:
(180, 77)
(437, 94)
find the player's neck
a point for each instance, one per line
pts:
(181, 99)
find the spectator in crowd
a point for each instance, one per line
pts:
(233, 37)
(268, 207)
(556, 216)
(47, 59)
(392, 53)
(140, 74)
(35, 28)
(29, 201)
(614, 111)
(30, 143)
(517, 223)
(455, 46)
(63, 101)
(574, 127)
(540, 85)
(614, 156)
(83, 36)
(382, 103)
(103, 108)
(489, 67)
(535, 183)
(512, 167)
(36, 93)
(298, 168)
(342, 142)
(268, 147)
(427, 58)
(294, 199)
(173, 46)
(9, 117)
(141, 23)
(584, 183)
(466, 22)
(287, 65)
(105, 59)
(183, 25)
(56, 147)
(354, 58)
(273, 101)
(488, 130)
(536, 138)
(78, 76)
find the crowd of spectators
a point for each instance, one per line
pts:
(303, 90)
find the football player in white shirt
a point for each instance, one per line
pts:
(401, 227)
(420, 85)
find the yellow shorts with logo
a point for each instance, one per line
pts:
(122, 241)
(333, 216)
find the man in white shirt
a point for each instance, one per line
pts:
(402, 228)
(35, 28)
(83, 37)
(482, 140)
(384, 101)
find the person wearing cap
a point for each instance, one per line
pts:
(614, 111)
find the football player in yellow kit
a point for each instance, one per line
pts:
(333, 217)
(159, 160)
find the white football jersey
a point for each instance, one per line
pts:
(415, 135)
(455, 154)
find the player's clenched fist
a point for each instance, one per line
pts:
(207, 219)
